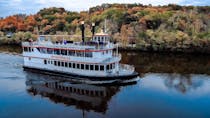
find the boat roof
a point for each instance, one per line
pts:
(101, 34)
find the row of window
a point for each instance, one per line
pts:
(98, 38)
(28, 49)
(60, 52)
(64, 52)
(76, 90)
(80, 66)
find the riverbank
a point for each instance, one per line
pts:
(193, 50)
(169, 28)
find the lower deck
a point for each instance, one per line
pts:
(91, 69)
(133, 77)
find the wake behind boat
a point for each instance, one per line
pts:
(91, 62)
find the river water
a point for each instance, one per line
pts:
(171, 85)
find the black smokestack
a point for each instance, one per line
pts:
(82, 27)
(93, 29)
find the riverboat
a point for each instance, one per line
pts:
(93, 61)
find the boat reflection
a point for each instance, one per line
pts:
(82, 96)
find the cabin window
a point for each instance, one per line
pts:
(43, 50)
(57, 51)
(55, 63)
(86, 67)
(91, 93)
(38, 49)
(78, 66)
(63, 52)
(25, 49)
(49, 51)
(101, 93)
(73, 65)
(82, 66)
(66, 64)
(71, 52)
(79, 53)
(88, 54)
(45, 61)
(107, 67)
(110, 66)
(62, 64)
(69, 65)
(96, 93)
(101, 67)
(48, 61)
(87, 92)
(91, 67)
(96, 67)
(70, 89)
(113, 65)
(59, 63)
(82, 92)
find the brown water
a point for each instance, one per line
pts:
(170, 86)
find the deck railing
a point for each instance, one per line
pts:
(117, 55)
(72, 45)
(127, 67)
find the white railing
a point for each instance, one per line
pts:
(29, 43)
(58, 45)
(127, 67)
(117, 55)
(76, 45)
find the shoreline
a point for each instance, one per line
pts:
(174, 51)
(194, 50)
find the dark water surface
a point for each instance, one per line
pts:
(170, 86)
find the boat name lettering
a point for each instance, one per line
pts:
(59, 57)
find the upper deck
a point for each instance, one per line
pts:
(98, 50)
(100, 41)
(88, 46)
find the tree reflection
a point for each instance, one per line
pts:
(168, 63)
(182, 83)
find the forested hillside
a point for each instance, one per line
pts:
(156, 28)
